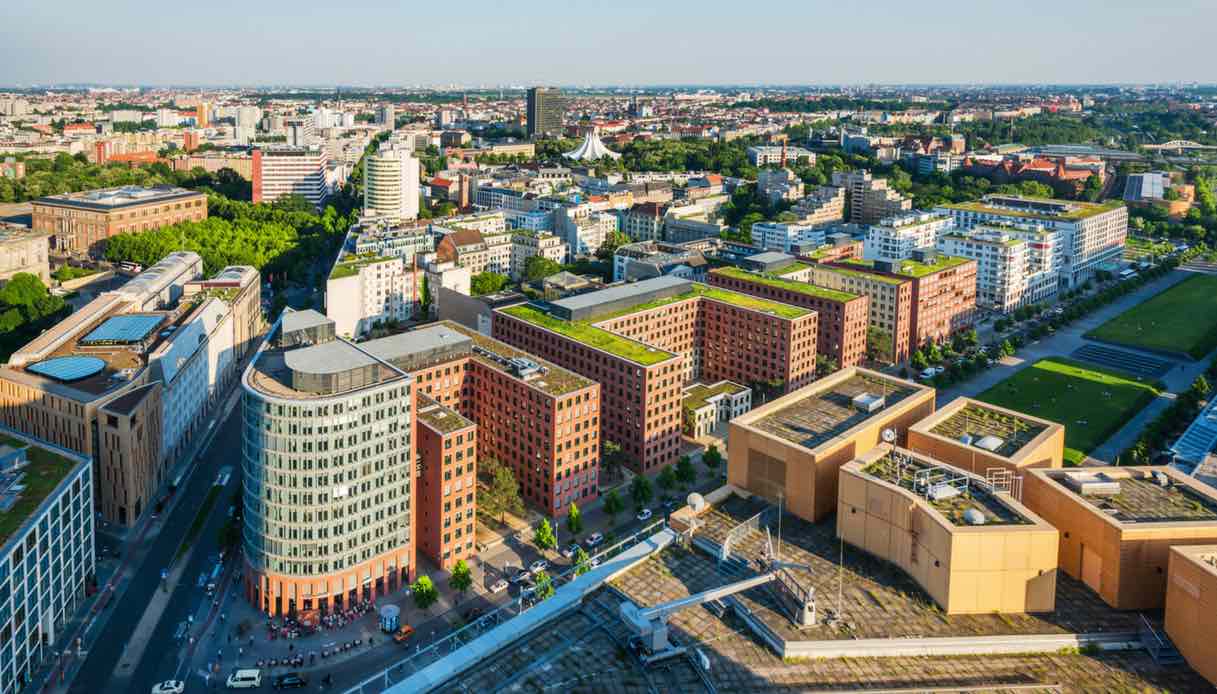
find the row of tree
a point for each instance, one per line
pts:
(26, 309)
(66, 173)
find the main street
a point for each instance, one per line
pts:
(111, 662)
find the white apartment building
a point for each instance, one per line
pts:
(780, 236)
(282, 171)
(485, 222)
(776, 185)
(46, 560)
(766, 155)
(447, 276)
(380, 236)
(525, 245)
(530, 220)
(824, 205)
(870, 200)
(583, 231)
(1090, 234)
(895, 238)
(1001, 265)
(391, 184)
(365, 289)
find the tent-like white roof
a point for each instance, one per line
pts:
(592, 149)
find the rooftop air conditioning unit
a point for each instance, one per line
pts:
(868, 403)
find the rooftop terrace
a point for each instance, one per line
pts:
(349, 265)
(950, 491)
(974, 423)
(46, 469)
(825, 414)
(1139, 497)
(789, 285)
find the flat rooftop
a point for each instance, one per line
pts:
(350, 264)
(1046, 209)
(912, 268)
(789, 285)
(698, 394)
(948, 490)
(1135, 494)
(862, 269)
(440, 418)
(996, 430)
(107, 199)
(826, 413)
(273, 370)
(47, 468)
(598, 338)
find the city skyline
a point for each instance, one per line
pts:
(585, 46)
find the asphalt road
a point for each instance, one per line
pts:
(105, 668)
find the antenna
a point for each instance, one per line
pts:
(889, 435)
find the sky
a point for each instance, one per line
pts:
(627, 42)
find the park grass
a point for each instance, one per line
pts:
(1182, 319)
(1092, 403)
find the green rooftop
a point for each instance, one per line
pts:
(44, 473)
(590, 335)
(705, 291)
(697, 394)
(790, 269)
(349, 265)
(789, 285)
(864, 271)
(1083, 209)
(913, 268)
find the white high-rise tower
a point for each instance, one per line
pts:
(391, 183)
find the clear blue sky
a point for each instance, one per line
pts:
(476, 42)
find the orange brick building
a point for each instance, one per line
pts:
(645, 340)
(841, 316)
(81, 222)
(444, 511)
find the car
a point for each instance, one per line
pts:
(594, 562)
(538, 566)
(290, 680)
(594, 540)
(928, 373)
(938, 370)
(403, 632)
(169, 687)
(644, 515)
(569, 550)
(249, 678)
(498, 586)
(521, 576)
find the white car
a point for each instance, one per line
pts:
(169, 687)
(498, 586)
(595, 562)
(644, 515)
(521, 576)
(594, 540)
(928, 373)
(569, 550)
(538, 566)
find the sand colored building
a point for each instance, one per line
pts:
(1118, 525)
(1191, 606)
(977, 437)
(971, 545)
(794, 446)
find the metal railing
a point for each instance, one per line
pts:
(445, 645)
(741, 530)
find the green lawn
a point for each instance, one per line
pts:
(1091, 403)
(1180, 319)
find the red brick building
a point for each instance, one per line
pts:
(841, 316)
(446, 502)
(645, 340)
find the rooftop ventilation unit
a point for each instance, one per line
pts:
(973, 517)
(943, 490)
(1091, 484)
(989, 443)
(868, 403)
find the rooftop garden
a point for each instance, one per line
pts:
(726, 296)
(349, 265)
(789, 285)
(862, 269)
(1082, 210)
(591, 336)
(915, 476)
(45, 471)
(978, 421)
(698, 394)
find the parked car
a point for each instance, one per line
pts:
(291, 680)
(169, 687)
(644, 515)
(498, 586)
(244, 679)
(594, 562)
(569, 550)
(594, 540)
(403, 632)
(927, 374)
(538, 566)
(521, 576)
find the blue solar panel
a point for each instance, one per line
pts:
(122, 329)
(68, 368)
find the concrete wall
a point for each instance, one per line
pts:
(965, 569)
(1045, 450)
(1191, 607)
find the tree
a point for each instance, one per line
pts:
(22, 289)
(582, 562)
(538, 267)
(462, 577)
(685, 472)
(611, 457)
(712, 458)
(544, 537)
(918, 361)
(935, 354)
(502, 493)
(1007, 349)
(424, 593)
(825, 365)
(879, 344)
(545, 586)
(666, 478)
(1200, 387)
(424, 297)
(574, 520)
(641, 491)
(485, 283)
(611, 243)
(613, 505)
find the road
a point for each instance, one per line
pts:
(110, 665)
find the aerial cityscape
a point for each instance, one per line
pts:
(549, 348)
